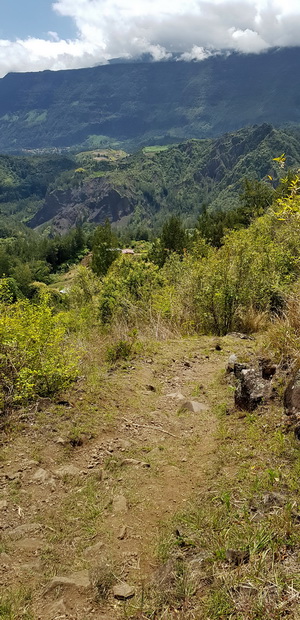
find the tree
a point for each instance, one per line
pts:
(173, 239)
(104, 249)
(256, 197)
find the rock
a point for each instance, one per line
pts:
(297, 432)
(119, 503)
(268, 369)
(122, 532)
(78, 581)
(187, 364)
(291, 397)
(237, 369)
(193, 406)
(5, 559)
(241, 336)
(237, 557)
(176, 395)
(61, 441)
(218, 347)
(3, 504)
(42, 476)
(67, 470)
(31, 544)
(123, 592)
(23, 530)
(124, 444)
(93, 550)
(14, 476)
(231, 362)
(252, 390)
(271, 500)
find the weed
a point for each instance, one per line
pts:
(121, 350)
(16, 605)
(102, 578)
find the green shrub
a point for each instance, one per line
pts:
(35, 356)
(121, 350)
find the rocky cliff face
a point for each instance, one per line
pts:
(94, 201)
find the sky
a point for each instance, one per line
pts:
(65, 34)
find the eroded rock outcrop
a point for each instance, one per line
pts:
(93, 201)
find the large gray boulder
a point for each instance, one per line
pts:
(291, 397)
(252, 390)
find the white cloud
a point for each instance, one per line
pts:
(126, 28)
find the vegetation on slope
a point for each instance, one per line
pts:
(185, 180)
(182, 284)
(137, 104)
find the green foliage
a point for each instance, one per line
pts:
(173, 239)
(35, 357)
(128, 290)
(104, 247)
(121, 350)
(178, 100)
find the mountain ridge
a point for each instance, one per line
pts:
(135, 104)
(181, 179)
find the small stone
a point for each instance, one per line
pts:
(78, 581)
(187, 364)
(193, 406)
(67, 470)
(31, 544)
(218, 347)
(22, 530)
(231, 362)
(176, 395)
(42, 476)
(124, 444)
(119, 503)
(5, 559)
(14, 476)
(122, 532)
(3, 504)
(61, 441)
(93, 550)
(123, 592)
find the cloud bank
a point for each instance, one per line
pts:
(109, 29)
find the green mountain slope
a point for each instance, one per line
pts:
(148, 103)
(151, 185)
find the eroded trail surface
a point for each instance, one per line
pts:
(86, 483)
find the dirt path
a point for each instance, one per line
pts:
(86, 485)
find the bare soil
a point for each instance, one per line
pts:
(137, 458)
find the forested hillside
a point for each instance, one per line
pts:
(135, 104)
(139, 191)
